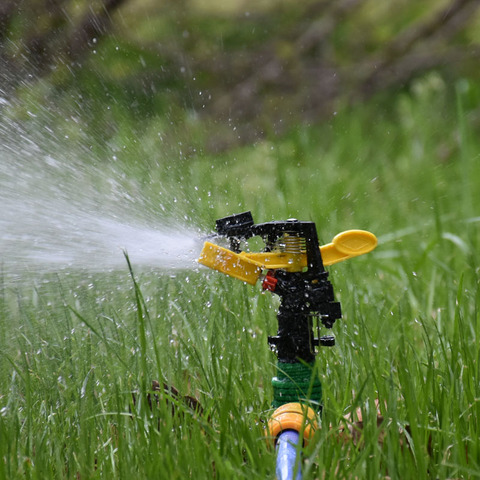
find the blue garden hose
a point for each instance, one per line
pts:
(287, 456)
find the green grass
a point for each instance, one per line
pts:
(74, 349)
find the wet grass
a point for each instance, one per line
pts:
(76, 350)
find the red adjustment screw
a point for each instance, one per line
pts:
(269, 282)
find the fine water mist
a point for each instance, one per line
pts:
(61, 210)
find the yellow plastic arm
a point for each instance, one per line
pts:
(248, 266)
(349, 244)
(230, 263)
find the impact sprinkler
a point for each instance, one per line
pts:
(292, 266)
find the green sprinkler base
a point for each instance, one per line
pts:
(295, 383)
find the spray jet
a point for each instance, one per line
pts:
(292, 264)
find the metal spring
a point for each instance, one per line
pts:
(293, 244)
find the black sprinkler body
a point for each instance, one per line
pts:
(292, 265)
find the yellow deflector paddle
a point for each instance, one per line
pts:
(248, 266)
(349, 244)
(230, 263)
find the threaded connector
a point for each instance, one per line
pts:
(292, 416)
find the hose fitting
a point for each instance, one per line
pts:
(292, 416)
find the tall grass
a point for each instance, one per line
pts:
(78, 354)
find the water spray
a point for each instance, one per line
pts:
(292, 266)
(64, 210)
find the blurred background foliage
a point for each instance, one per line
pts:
(215, 74)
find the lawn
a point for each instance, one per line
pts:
(79, 349)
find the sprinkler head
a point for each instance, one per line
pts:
(293, 262)
(290, 245)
